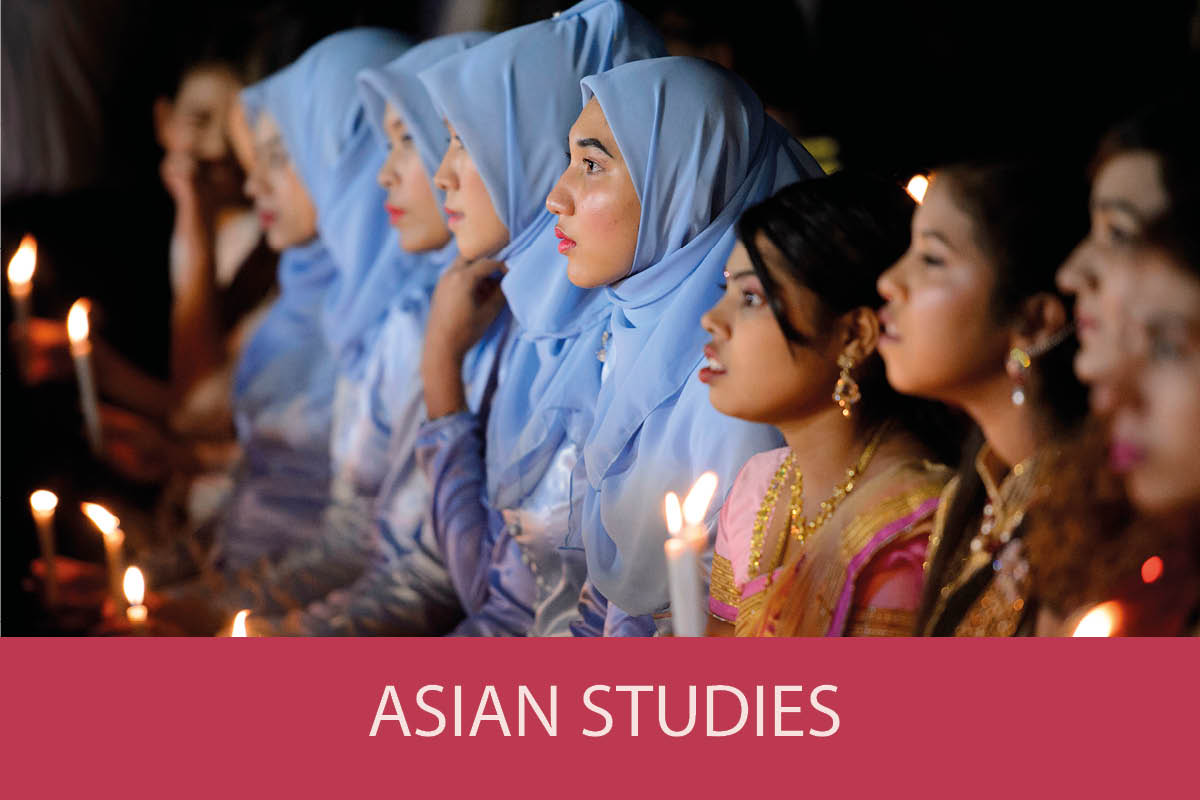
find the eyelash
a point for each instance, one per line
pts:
(932, 261)
(749, 299)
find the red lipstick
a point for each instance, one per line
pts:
(565, 242)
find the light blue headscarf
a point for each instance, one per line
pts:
(397, 83)
(283, 382)
(512, 100)
(700, 150)
(327, 135)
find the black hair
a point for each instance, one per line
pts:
(837, 235)
(1027, 218)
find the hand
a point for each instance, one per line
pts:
(134, 446)
(47, 350)
(179, 176)
(466, 301)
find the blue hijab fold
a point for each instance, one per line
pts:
(512, 100)
(325, 129)
(700, 149)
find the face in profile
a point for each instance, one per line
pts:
(1127, 194)
(411, 204)
(470, 213)
(196, 122)
(284, 207)
(939, 339)
(753, 371)
(1156, 424)
(597, 206)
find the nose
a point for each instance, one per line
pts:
(445, 178)
(713, 322)
(558, 202)
(250, 185)
(1072, 276)
(386, 176)
(888, 284)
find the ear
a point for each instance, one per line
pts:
(861, 334)
(1043, 316)
(162, 121)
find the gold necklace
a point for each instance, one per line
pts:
(798, 527)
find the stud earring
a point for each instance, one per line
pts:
(1016, 367)
(846, 392)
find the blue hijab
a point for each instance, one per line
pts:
(324, 127)
(512, 101)
(700, 150)
(283, 382)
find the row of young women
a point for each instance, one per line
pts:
(608, 271)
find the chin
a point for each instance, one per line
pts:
(584, 278)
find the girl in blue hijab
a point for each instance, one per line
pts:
(308, 117)
(502, 484)
(664, 158)
(405, 589)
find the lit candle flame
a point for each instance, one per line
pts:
(674, 514)
(695, 507)
(23, 262)
(43, 501)
(239, 624)
(101, 517)
(135, 586)
(916, 188)
(1100, 621)
(77, 320)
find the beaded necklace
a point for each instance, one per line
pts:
(798, 527)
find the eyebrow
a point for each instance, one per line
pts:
(596, 143)
(749, 273)
(1116, 204)
(936, 235)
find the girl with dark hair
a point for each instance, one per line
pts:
(827, 535)
(973, 319)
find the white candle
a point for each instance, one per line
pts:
(81, 354)
(114, 540)
(43, 503)
(20, 288)
(684, 551)
(134, 585)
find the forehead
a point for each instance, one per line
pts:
(592, 123)
(1132, 178)
(940, 213)
(391, 116)
(208, 87)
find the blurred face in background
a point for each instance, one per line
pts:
(470, 213)
(1127, 193)
(281, 200)
(411, 203)
(195, 123)
(1156, 425)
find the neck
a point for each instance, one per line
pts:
(1012, 431)
(824, 445)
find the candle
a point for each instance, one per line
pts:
(20, 288)
(684, 550)
(135, 592)
(1103, 620)
(43, 503)
(114, 539)
(239, 624)
(916, 187)
(81, 354)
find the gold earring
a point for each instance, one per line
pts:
(1016, 367)
(846, 392)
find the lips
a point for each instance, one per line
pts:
(888, 329)
(266, 218)
(1123, 455)
(452, 217)
(394, 212)
(712, 368)
(565, 242)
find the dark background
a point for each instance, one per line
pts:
(900, 86)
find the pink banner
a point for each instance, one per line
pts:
(230, 717)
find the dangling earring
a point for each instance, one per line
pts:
(1017, 366)
(846, 392)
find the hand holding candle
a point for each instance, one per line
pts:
(135, 593)
(684, 549)
(114, 540)
(43, 503)
(81, 354)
